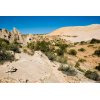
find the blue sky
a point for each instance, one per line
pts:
(45, 24)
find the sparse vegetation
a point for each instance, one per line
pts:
(81, 49)
(92, 75)
(90, 45)
(63, 67)
(94, 41)
(14, 47)
(77, 65)
(82, 60)
(60, 52)
(49, 49)
(5, 48)
(43, 46)
(51, 56)
(82, 42)
(31, 45)
(97, 53)
(58, 57)
(61, 59)
(6, 56)
(72, 52)
(76, 43)
(98, 67)
(25, 50)
(68, 70)
(4, 44)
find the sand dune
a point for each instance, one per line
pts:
(78, 33)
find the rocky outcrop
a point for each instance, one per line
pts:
(73, 34)
(14, 35)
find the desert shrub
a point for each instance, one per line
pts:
(90, 45)
(81, 49)
(77, 65)
(25, 50)
(67, 70)
(14, 47)
(71, 72)
(6, 56)
(63, 67)
(76, 43)
(63, 46)
(81, 60)
(60, 52)
(97, 53)
(92, 75)
(4, 44)
(61, 59)
(31, 45)
(72, 52)
(51, 56)
(43, 46)
(98, 67)
(83, 42)
(4, 40)
(94, 41)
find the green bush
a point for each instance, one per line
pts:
(63, 68)
(94, 41)
(6, 56)
(92, 75)
(51, 56)
(60, 52)
(4, 44)
(75, 43)
(81, 49)
(31, 45)
(77, 65)
(62, 46)
(14, 47)
(72, 52)
(49, 50)
(61, 59)
(83, 42)
(67, 70)
(97, 53)
(42, 46)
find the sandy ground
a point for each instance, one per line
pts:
(29, 69)
(36, 69)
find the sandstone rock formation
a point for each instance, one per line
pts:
(14, 35)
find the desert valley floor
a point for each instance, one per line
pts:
(66, 55)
